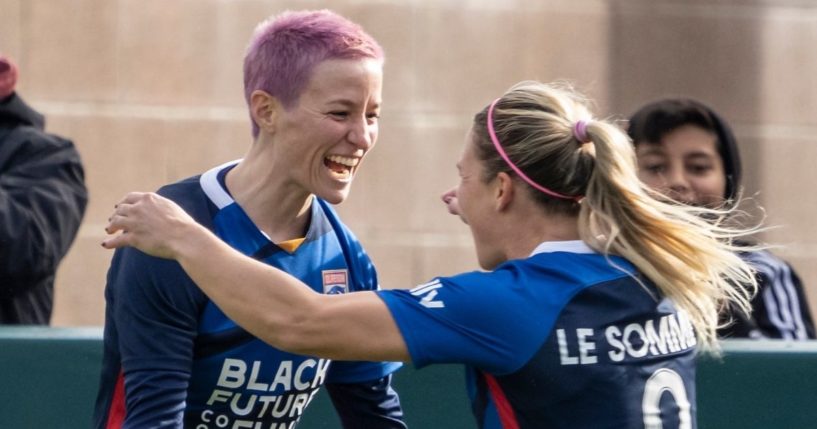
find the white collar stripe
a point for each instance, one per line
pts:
(571, 246)
(213, 189)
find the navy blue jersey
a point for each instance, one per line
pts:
(173, 359)
(566, 338)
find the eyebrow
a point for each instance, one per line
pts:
(653, 150)
(349, 103)
(657, 151)
(700, 155)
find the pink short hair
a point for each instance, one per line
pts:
(285, 49)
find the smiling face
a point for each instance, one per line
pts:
(320, 142)
(685, 165)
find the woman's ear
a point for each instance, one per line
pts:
(504, 191)
(263, 108)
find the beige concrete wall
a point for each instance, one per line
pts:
(150, 91)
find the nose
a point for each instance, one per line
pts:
(363, 134)
(450, 199)
(677, 183)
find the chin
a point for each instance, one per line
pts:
(334, 197)
(488, 262)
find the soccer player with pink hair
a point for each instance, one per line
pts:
(596, 293)
(173, 359)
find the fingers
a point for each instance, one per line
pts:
(117, 219)
(119, 222)
(116, 222)
(147, 222)
(133, 198)
(117, 241)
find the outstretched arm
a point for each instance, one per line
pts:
(271, 304)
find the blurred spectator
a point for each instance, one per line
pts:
(686, 151)
(42, 200)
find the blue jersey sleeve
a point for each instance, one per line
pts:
(154, 308)
(486, 320)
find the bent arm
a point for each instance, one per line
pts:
(269, 303)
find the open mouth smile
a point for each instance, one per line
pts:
(341, 167)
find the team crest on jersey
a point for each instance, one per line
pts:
(335, 281)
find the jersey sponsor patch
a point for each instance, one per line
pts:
(335, 281)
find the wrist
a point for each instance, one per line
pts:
(189, 239)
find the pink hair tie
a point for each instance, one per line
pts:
(580, 131)
(516, 169)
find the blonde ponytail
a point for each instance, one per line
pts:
(690, 260)
(591, 173)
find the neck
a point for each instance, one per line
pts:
(277, 206)
(527, 229)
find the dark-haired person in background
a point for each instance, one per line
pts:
(42, 201)
(687, 151)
